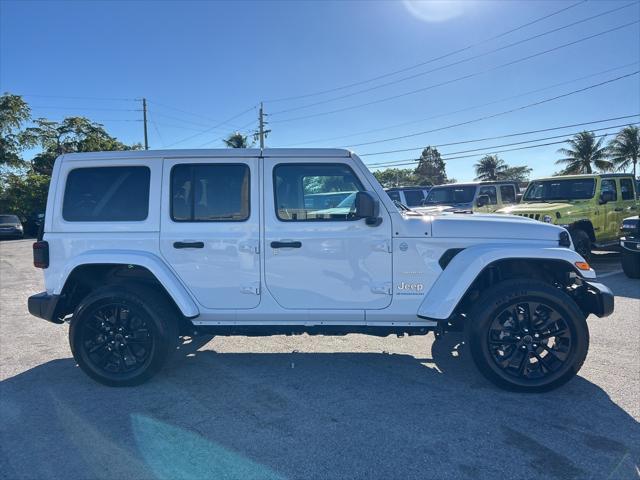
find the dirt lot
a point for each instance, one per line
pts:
(312, 407)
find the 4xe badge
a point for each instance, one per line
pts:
(410, 288)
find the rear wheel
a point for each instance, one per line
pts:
(528, 336)
(122, 335)
(582, 243)
(631, 263)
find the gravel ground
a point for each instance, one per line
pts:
(312, 407)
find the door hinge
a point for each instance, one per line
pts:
(251, 289)
(384, 246)
(382, 288)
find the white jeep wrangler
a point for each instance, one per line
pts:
(141, 247)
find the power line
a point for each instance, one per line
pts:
(85, 108)
(113, 99)
(464, 77)
(503, 136)
(505, 112)
(214, 127)
(413, 161)
(458, 62)
(473, 107)
(412, 67)
(485, 149)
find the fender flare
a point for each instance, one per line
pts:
(452, 284)
(151, 262)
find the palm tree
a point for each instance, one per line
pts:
(584, 154)
(490, 167)
(236, 140)
(625, 148)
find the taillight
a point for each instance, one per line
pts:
(41, 254)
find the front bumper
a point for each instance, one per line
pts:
(598, 299)
(43, 305)
(630, 244)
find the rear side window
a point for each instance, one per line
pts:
(609, 185)
(210, 192)
(394, 195)
(107, 194)
(297, 186)
(508, 193)
(626, 188)
(414, 197)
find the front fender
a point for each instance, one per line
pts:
(151, 262)
(464, 268)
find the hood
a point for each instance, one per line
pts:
(538, 207)
(435, 209)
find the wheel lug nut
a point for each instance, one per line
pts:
(535, 345)
(524, 347)
(537, 335)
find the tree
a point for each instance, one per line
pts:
(431, 169)
(237, 140)
(394, 177)
(584, 153)
(517, 174)
(624, 149)
(490, 167)
(14, 111)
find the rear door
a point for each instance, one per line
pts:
(611, 210)
(628, 202)
(210, 229)
(323, 259)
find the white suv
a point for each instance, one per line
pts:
(141, 247)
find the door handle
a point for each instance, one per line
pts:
(188, 245)
(286, 244)
(618, 209)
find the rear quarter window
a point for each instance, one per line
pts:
(107, 194)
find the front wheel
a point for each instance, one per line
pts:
(122, 335)
(581, 243)
(631, 263)
(528, 336)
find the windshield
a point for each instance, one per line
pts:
(545, 190)
(452, 194)
(9, 219)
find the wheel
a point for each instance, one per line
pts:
(582, 243)
(631, 264)
(526, 335)
(122, 335)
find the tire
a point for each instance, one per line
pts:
(631, 264)
(122, 335)
(500, 345)
(582, 243)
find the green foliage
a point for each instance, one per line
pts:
(492, 168)
(13, 113)
(326, 184)
(237, 140)
(517, 174)
(584, 154)
(431, 169)
(624, 149)
(24, 195)
(394, 177)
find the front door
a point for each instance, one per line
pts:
(323, 258)
(210, 229)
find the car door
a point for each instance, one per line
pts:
(489, 191)
(611, 210)
(210, 229)
(628, 201)
(323, 259)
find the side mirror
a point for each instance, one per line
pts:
(482, 200)
(368, 207)
(606, 197)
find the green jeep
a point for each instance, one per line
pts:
(590, 206)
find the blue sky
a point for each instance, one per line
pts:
(217, 59)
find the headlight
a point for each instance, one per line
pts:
(546, 219)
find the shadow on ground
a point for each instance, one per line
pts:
(309, 415)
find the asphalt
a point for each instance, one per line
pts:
(312, 407)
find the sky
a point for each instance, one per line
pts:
(354, 74)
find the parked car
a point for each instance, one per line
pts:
(140, 247)
(591, 207)
(10, 226)
(630, 246)
(483, 197)
(409, 196)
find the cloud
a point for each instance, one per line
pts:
(435, 10)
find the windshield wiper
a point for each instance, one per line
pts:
(402, 206)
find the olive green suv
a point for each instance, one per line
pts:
(590, 206)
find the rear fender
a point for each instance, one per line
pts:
(450, 287)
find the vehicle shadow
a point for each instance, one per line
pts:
(309, 415)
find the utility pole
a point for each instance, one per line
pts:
(144, 119)
(262, 133)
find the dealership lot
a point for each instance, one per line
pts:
(312, 407)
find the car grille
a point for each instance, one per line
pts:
(535, 216)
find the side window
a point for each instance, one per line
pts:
(295, 184)
(508, 193)
(414, 197)
(491, 193)
(626, 188)
(210, 192)
(106, 194)
(394, 195)
(609, 185)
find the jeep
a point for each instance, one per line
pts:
(484, 197)
(591, 207)
(140, 248)
(630, 246)
(409, 196)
